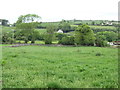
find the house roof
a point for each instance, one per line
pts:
(60, 31)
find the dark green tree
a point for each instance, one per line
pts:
(64, 25)
(110, 36)
(101, 41)
(84, 35)
(27, 24)
(49, 34)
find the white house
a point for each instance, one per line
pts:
(110, 43)
(59, 31)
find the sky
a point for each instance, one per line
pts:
(56, 10)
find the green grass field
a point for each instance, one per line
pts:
(103, 27)
(98, 27)
(60, 67)
(5, 29)
(41, 31)
(9, 29)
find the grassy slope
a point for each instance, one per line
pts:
(41, 31)
(6, 29)
(36, 66)
(96, 27)
(9, 29)
(99, 27)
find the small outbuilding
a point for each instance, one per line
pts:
(59, 31)
(110, 43)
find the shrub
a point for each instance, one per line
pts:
(8, 38)
(40, 37)
(53, 85)
(68, 40)
(98, 54)
(50, 33)
(48, 38)
(101, 41)
(110, 35)
(60, 36)
(84, 35)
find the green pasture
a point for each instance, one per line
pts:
(99, 27)
(41, 31)
(59, 67)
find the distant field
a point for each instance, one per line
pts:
(102, 27)
(6, 29)
(60, 67)
(107, 27)
(9, 29)
(41, 31)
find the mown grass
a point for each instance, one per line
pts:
(59, 67)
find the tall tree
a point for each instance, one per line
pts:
(110, 36)
(84, 35)
(50, 33)
(28, 18)
(27, 24)
(64, 25)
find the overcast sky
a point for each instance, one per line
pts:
(56, 10)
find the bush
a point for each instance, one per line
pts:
(101, 41)
(110, 36)
(98, 54)
(60, 36)
(41, 37)
(68, 40)
(84, 36)
(48, 38)
(7, 38)
(50, 33)
(102, 44)
(53, 85)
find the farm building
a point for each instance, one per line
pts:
(107, 23)
(4, 22)
(116, 42)
(59, 31)
(110, 43)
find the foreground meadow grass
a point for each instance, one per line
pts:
(60, 67)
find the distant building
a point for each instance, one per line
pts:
(107, 23)
(110, 43)
(4, 22)
(116, 42)
(59, 31)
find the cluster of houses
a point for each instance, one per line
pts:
(114, 43)
(4, 22)
(107, 23)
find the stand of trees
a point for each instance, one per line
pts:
(84, 35)
(25, 26)
(50, 34)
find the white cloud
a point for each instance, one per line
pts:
(54, 10)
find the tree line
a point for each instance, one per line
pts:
(25, 30)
